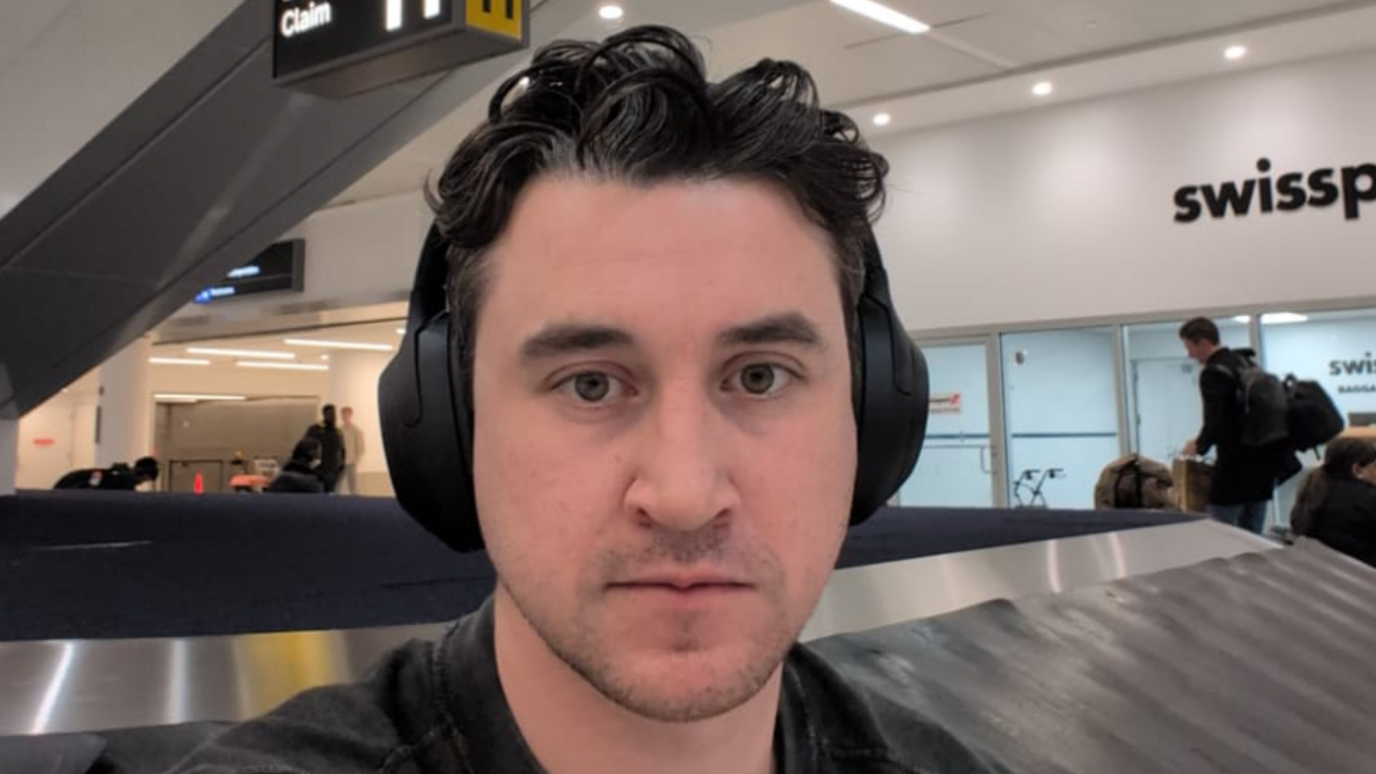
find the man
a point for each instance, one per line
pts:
(332, 450)
(654, 287)
(1244, 476)
(299, 475)
(119, 476)
(353, 448)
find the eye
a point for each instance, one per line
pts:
(761, 379)
(592, 387)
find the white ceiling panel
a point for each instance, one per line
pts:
(23, 25)
(851, 57)
(79, 69)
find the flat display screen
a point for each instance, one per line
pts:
(280, 267)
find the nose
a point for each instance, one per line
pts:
(683, 473)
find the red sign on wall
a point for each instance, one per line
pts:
(44, 441)
(945, 403)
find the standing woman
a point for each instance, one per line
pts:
(1337, 503)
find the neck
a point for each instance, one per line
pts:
(571, 728)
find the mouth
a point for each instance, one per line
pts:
(683, 583)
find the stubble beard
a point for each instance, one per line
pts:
(589, 653)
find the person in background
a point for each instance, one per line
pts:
(1336, 504)
(332, 451)
(300, 474)
(1244, 477)
(353, 449)
(117, 477)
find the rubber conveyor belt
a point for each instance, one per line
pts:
(1259, 663)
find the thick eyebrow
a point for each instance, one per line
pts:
(565, 338)
(783, 328)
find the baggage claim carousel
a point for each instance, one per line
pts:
(1051, 640)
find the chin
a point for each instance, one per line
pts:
(684, 688)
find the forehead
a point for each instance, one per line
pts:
(696, 252)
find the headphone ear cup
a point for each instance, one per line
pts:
(423, 433)
(892, 402)
(426, 416)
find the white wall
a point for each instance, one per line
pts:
(228, 378)
(55, 437)
(126, 406)
(47, 436)
(1068, 212)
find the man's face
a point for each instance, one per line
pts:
(1198, 351)
(664, 448)
(347, 415)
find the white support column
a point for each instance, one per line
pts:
(125, 424)
(353, 382)
(9, 454)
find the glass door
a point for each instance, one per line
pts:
(959, 459)
(1061, 409)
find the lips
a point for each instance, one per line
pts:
(683, 581)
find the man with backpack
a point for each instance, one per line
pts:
(1245, 418)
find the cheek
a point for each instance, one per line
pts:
(528, 483)
(802, 499)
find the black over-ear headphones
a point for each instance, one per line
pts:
(426, 408)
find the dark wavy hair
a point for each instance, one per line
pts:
(1199, 329)
(638, 109)
(1340, 456)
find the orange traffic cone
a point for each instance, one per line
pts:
(198, 484)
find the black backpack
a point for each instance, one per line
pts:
(1265, 403)
(1312, 417)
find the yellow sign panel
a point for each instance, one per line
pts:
(500, 16)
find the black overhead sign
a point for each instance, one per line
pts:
(336, 48)
(280, 267)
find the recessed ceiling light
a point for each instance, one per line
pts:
(884, 15)
(180, 397)
(269, 355)
(1043, 88)
(339, 344)
(882, 119)
(611, 12)
(1282, 318)
(401, 331)
(191, 361)
(283, 366)
(1235, 52)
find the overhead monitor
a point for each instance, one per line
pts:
(280, 267)
(337, 48)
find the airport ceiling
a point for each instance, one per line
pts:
(67, 67)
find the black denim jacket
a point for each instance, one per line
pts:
(438, 708)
